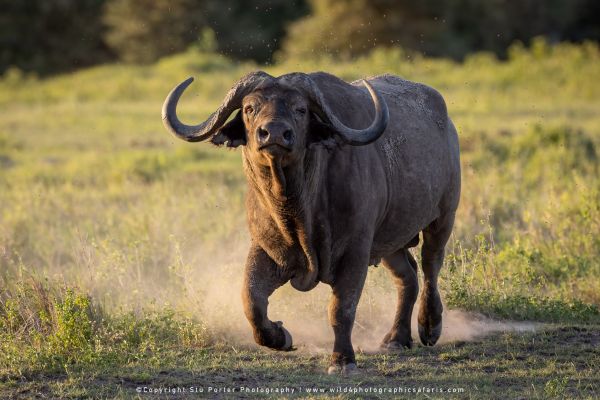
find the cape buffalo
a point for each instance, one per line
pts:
(340, 176)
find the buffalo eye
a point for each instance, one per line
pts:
(249, 110)
(301, 110)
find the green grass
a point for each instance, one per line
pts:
(70, 348)
(555, 363)
(116, 223)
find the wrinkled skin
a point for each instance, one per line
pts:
(322, 210)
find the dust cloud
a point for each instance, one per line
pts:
(212, 294)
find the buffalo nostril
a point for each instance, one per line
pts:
(263, 134)
(287, 135)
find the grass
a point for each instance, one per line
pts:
(511, 367)
(73, 349)
(121, 249)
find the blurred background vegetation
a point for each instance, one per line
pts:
(49, 36)
(104, 216)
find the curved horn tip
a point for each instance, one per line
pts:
(380, 122)
(186, 83)
(174, 93)
(368, 86)
(381, 101)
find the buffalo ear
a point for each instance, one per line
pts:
(321, 133)
(232, 134)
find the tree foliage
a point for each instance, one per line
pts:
(451, 28)
(144, 30)
(252, 28)
(51, 35)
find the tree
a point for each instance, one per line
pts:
(341, 28)
(252, 28)
(47, 36)
(141, 31)
(437, 27)
(145, 30)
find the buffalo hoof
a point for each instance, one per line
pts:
(346, 369)
(395, 346)
(429, 337)
(288, 345)
(395, 340)
(288, 340)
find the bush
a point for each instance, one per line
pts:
(45, 328)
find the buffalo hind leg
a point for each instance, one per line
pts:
(435, 237)
(260, 281)
(403, 268)
(347, 288)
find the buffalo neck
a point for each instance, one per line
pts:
(289, 195)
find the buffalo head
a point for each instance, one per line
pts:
(278, 118)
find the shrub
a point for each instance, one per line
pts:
(43, 328)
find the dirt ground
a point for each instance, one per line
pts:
(553, 362)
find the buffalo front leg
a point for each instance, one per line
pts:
(403, 268)
(435, 237)
(262, 277)
(347, 289)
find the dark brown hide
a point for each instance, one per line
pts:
(322, 205)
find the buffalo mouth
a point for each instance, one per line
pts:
(274, 148)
